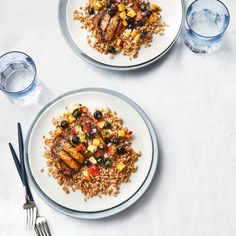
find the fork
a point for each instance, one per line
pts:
(29, 205)
(34, 220)
(41, 226)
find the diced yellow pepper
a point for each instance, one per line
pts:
(86, 175)
(93, 160)
(134, 33)
(92, 148)
(98, 5)
(96, 142)
(131, 13)
(121, 133)
(137, 38)
(125, 23)
(101, 123)
(120, 166)
(71, 119)
(121, 7)
(122, 15)
(155, 7)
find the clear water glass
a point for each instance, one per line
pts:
(18, 78)
(205, 24)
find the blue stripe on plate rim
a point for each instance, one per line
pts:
(118, 208)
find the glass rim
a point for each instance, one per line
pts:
(35, 74)
(186, 19)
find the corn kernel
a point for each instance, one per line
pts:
(134, 33)
(125, 23)
(122, 15)
(82, 138)
(71, 119)
(153, 18)
(155, 7)
(137, 38)
(119, 42)
(121, 7)
(98, 5)
(131, 13)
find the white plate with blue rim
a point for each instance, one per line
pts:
(73, 204)
(172, 15)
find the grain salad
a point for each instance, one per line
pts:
(90, 152)
(120, 26)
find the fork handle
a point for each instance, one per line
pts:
(18, 167)
(21, 153)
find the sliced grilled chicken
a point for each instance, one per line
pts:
(97, 23)
(67, 159)
(112, 27)
(119, 29)
(105, 21)
(67, 156)
(70, 150)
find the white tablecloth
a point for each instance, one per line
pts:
(191, 100)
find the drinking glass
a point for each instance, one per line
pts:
(205, 25)
(18, 77)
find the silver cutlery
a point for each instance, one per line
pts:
(41, 226)
(33, 219)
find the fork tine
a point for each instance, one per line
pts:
(43, 229)
(26, 226)
(40, 230)
(35, 215)
(32, 218)
(29, 222)
(37, 232)
(27, 219)
(45, 225)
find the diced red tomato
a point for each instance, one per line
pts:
(93, 170)
(86, 127)
(83, 109)
(111, 150)
(73, 130)
(81, 147)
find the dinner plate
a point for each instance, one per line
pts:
(73, 204)
(172, 15)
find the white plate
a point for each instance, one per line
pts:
(73, 203)
(172, 14)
